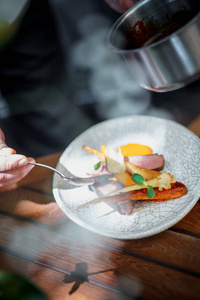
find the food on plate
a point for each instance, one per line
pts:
(115, 160)
(124, 178)
(146, 173)
(151, 162)
(135, 149)
(131, 182)
(176, 190)
(99, 154)
(163, 181)
(143, 159)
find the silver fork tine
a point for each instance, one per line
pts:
(75, 180)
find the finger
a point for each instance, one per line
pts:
(126, 4)
(11, 162)
(7, 151)
(120, 5)
(11, 177)
(115, 5)
(15, 173)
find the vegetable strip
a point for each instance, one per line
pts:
(177, 190)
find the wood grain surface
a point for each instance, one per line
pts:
(68, 262)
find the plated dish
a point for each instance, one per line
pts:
(181, 149)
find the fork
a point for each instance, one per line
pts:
(76, 180)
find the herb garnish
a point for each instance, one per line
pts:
(97, 165)
(137, 178)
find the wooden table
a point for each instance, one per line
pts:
(68, 262)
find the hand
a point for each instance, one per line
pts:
(13, 167)
(120, 5)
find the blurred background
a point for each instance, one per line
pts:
(58, 77)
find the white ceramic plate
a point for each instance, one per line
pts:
(181, 149)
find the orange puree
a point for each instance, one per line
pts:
(135, 149)
(131, 150)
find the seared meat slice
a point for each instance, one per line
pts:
(151, 162)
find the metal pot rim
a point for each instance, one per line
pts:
(120, 20)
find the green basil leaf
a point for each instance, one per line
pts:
(150, 192)
(137, 178)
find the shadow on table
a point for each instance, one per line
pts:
(80, 275)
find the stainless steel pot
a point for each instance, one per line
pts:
(161, 42)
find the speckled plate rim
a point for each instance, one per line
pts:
(129, 235)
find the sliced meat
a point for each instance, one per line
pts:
(151, 162)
